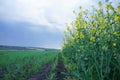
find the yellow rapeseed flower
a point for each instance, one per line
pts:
(92, 38)
(118, 8)
(76, 25)
(81, 35)
(100, 11)
(116, 33)
(116, 17)
(93, 30)
(101, 20)
(102, 27)
(114, 44)
(108, 6)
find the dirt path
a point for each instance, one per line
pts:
(60, 70)
(2, 72)
(42, 74)
(45, 71)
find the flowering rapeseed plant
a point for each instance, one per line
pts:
(92, 49)
(118, 8)
(92, 38)
(81, 35)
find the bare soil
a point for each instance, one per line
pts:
(2, 72)
(42, 74)
(60, 72)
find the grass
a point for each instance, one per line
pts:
(17, 65)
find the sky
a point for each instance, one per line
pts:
(37, 23)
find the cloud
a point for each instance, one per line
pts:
(51, 13)
(18, 34)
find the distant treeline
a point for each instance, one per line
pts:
(5, 47)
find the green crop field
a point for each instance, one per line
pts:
(17, 65)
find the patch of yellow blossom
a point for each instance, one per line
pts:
(116, 33)
(81, 35)
(92, 38)
(102, 27)
(116, 17)
(114, 44)
(101, 20)
(118, 8)
(93, 30)
(108, 6)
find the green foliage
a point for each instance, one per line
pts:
(91, 49)
(52, 74)
(17, 65)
